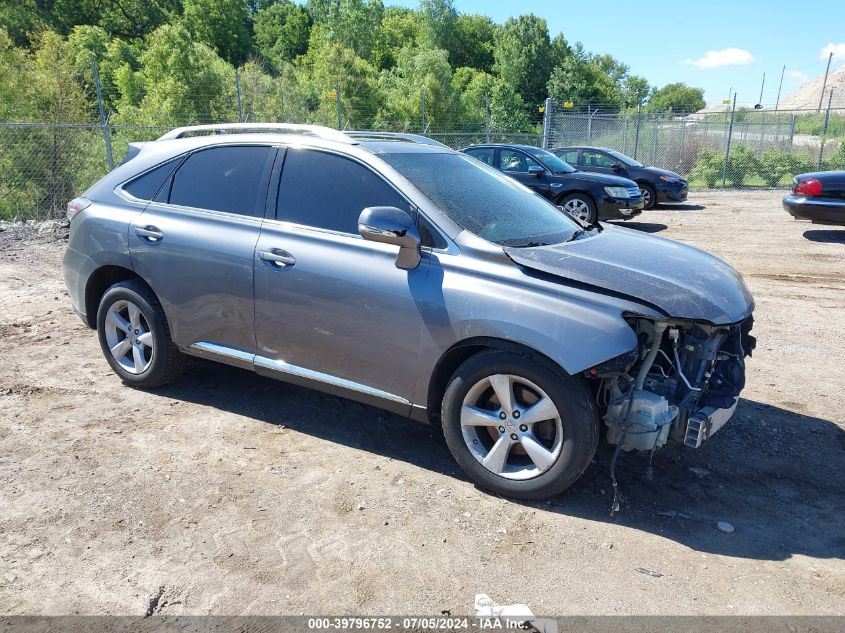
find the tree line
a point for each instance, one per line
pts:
(172, 62)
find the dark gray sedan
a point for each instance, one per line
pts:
(818, 197)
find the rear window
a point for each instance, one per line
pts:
(225, 179)
(145, 186)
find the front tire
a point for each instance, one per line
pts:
(135, 337)
(649, 195)
(581, 207)
(517, 427)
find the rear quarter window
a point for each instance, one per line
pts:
(145, 186)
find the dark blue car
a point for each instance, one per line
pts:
(658, 185)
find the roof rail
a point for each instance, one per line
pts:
(292, 128)
(395, 136)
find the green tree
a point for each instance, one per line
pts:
(523, 56)
(635, 91)
(742, 163)
(473, 42)
(221, 24)
(21, 20)
(584, 83)
(774, 165)
(677, 97)
(418, 72)
(180, 82)
(121, 18)
(400, 28)
(281, 31)
(473, 89)
(708, 167)
(438, 20)
(352, 24)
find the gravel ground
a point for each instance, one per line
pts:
(228, 493)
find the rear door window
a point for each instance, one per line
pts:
(484, 154)
(231, 179)
(592, 158)
(327, 191)
(513, 161)
(569, 155)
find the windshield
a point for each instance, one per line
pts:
(551, 161)
(626, 160)
(484, 201)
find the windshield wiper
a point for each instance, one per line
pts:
(576, 235)
(533, 244)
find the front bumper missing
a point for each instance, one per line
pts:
(705, 422)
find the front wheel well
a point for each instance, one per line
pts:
(582, 192)
(462, 351)
(100, 281)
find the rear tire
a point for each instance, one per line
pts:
(649, 195)
(581, 207)
(537, 449)
(135, 337)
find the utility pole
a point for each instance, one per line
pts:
(238, 94)
(824, 128)
(104, 123)
(762, 85)
(777, 101)
(486, 118)
(422, 108)
(337, 98)
(728, 144)
(547, 123)
(824, 85)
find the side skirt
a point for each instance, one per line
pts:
(301, 376)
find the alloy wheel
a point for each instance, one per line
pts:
(646, 197)
(578, 209)
(129, 337)
(511, 426)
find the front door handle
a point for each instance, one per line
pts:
(149, 233)
(278, 257)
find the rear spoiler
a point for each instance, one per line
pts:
(133, 150)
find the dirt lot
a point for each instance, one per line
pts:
(228, 493)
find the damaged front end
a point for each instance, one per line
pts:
(680, 382)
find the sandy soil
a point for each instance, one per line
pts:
(228, 493)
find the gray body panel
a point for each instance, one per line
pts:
(683, 281)
(345, 318)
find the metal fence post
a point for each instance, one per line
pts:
(103, 121)
(625, 135)
(637, 133)
(728, 144)
(337, 98)
(238, 95)
(590, 124)
(654, 140)
(422, 110)
(547, 122)
(824, 127)
(486, 118)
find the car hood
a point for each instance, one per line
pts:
(657, 171)
(605, 179)
(683, 281)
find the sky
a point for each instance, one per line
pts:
(723, 47)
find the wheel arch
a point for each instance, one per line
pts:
(101, 280)
(452, 358)
(585, 192)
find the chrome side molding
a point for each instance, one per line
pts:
(239, 358)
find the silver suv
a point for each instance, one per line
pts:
(394, 271)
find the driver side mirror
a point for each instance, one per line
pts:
(616, 166)
(536, 170)
(390, 225)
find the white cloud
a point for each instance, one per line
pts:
(838, 51)
(724, 57)
(795, 74)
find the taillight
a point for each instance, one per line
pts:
(76, 205)
(809, 187)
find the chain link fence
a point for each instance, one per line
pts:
(45, 163)
(730, 148)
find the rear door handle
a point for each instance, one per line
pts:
(149, 233)
(278, 257)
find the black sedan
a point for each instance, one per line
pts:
(818, 197)
(658, 185)
(586, 196)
